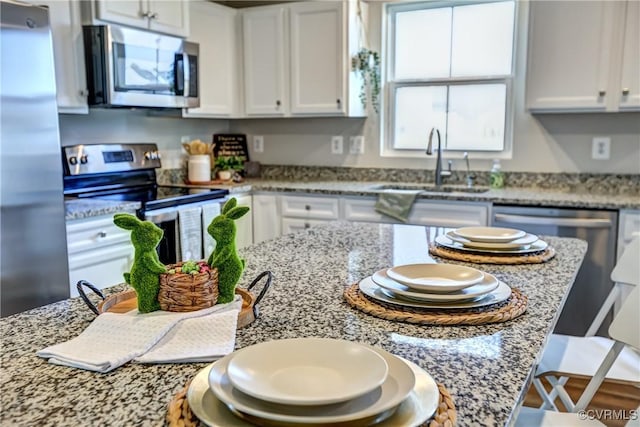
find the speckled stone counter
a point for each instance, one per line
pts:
(486, 368)
(86, 208)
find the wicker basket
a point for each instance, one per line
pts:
(188, 292)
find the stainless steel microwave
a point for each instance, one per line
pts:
(136, 68)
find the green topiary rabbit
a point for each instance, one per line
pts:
(225, 255)
(144, 275)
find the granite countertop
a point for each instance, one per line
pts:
(86, 208)
(570, 197)
(486, 368)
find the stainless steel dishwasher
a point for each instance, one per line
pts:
(592, 285)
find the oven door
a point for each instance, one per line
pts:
(167, 220)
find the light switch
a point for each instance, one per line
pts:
(356, 145)
(258, 143)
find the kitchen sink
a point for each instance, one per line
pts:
(431, 188)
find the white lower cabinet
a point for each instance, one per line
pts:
(266, 217)
(628, 229)
(244, 225)
(441, 213)
(301, 212)
(99, 252)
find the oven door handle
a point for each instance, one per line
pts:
(179, 80)
(161, 215)
(553, 221)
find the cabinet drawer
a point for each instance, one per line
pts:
(102, 267)
(363, 209)
(88, 234)
(309, 207)
(450, 214)
(293, 225)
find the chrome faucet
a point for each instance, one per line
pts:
(439, 172)
(470, 178)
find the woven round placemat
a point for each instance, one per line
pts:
(179, 414)
(500, 312)
(477, 258)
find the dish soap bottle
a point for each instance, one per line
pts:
(496, 178)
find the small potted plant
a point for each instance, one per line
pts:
(226, 166)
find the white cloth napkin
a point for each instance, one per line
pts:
(112, 340)
(209, 212)
(190, 229)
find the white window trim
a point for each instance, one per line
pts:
(386, 118)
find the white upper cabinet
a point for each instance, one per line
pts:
(264, 51)
(317, 62)
(582, 56)
(630, 77)
(214, 28)
(68, 55)
(297, 59)
(165, 16)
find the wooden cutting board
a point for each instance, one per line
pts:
(125, 301)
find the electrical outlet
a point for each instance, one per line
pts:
(336, 144)
(356, 145)
(601, 148)
(258, 143)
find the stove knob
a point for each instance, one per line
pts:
(147, 155)
(73, 160)
(157, 155)
(84, 159)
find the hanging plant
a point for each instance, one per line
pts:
(367, 63)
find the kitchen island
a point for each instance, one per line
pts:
(486, 368)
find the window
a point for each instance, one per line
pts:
(449, 66)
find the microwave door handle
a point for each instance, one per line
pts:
(186, 69)
(178, 74)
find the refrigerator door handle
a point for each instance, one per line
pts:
(553, 221)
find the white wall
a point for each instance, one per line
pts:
(543, 143)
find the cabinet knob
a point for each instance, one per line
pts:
(102, 234)
(602, 92)
(153, 15)
(277, 103)
(307, 207)
(625, 91)
(307, 225)
(338, 102)
(144, 14)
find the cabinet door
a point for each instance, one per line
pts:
(264, 61)
(127, 12)
(213, 27)
(570, 45)
(630, 80)
(171, 17)
(449, 214)
(68, 55)
(244, 225)
(318, 52)
(316, 207)
(266, 221)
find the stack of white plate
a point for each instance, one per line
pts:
(435, 286)
(492, 240)
(312, 381)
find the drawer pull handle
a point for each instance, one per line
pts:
(625, 91)
(307, 225)
(602, 92)
(102, 234)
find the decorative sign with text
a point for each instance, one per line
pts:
(227, 145)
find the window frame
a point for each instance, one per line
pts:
(388, 94)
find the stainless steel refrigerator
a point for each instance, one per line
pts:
(33, 245)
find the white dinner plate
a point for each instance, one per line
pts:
(435, 277)
(371, 289)
(515, 244)
(537, 246)
(307, 371)
(415, 409)
(397, 386)
(488, 284)
(489, 234)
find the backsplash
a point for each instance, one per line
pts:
(628, 184)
